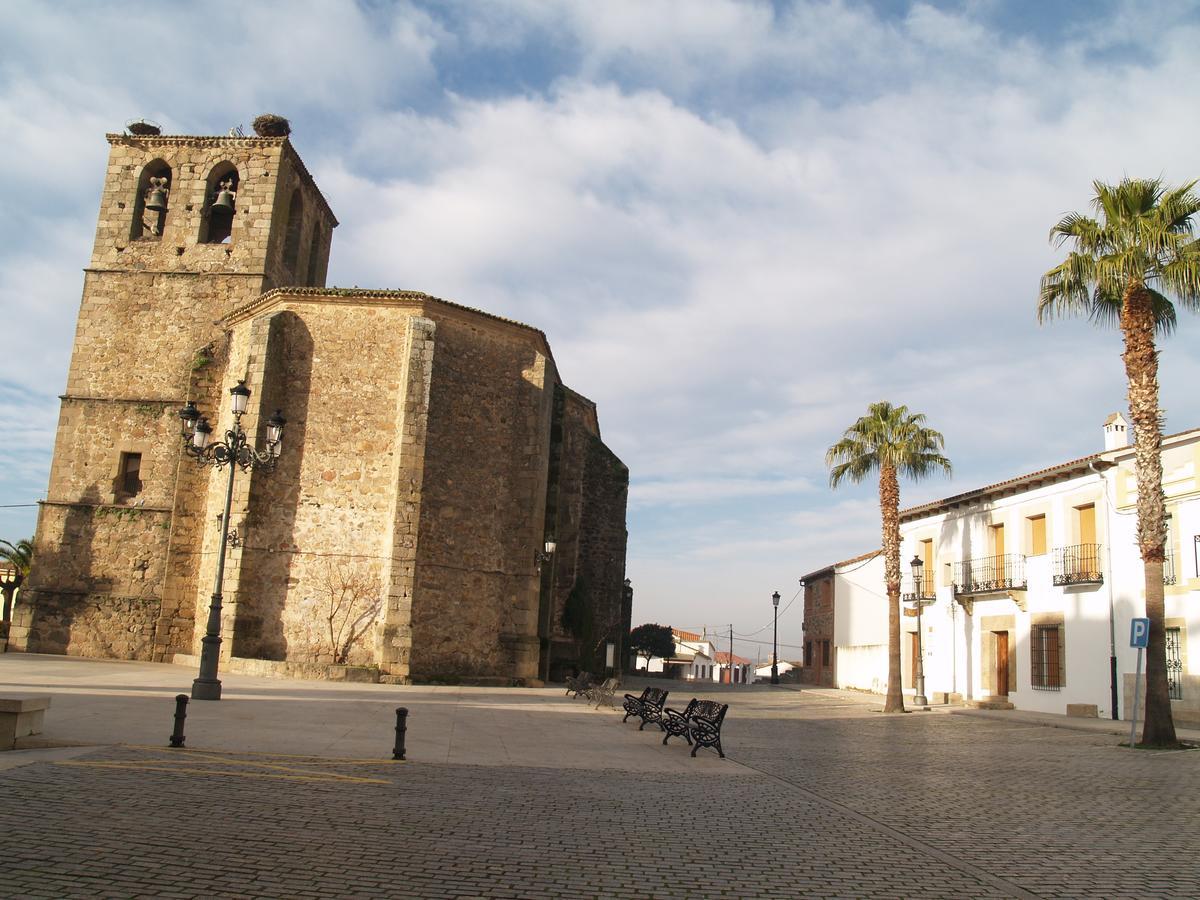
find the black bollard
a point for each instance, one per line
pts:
(180, 714)
(401, 728)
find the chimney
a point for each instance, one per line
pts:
(1116, 432)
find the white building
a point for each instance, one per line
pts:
(695, 659)
(1034, 581)
(763, 672)
(1030, 586)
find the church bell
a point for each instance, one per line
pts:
(156, 201)
(224, 201)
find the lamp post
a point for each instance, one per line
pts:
(541, 556)
(775, 641)
(236, 450)
(919, 698)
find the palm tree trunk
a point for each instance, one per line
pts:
(1141, 372)
(889, 508)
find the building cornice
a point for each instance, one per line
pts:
(368, 297)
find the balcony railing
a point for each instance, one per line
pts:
(1078, 564)
(1169, 568)
(928, 588)
(990, 574)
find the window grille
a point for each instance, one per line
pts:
(1175, 663)
(1045, 653)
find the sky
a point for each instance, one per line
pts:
(738, 223)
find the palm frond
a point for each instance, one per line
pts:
(18, 555)
(886, 436)
(1142, 240)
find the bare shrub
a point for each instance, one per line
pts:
(334, 621)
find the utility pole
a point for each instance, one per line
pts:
(731, 653)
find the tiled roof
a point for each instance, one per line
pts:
(1061, 470)
(686, 635)
(1000, 486)
(854, 559)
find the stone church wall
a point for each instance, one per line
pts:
(482, 502)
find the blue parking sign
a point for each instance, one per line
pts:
(1139, 633)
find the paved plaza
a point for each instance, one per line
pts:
(286, 790)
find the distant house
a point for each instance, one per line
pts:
(697, 659)
(733, 669)
(694, 659)
(763, 672)
(845, 624)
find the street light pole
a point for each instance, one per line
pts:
(919, 698)
(775, 641)
(234, 451)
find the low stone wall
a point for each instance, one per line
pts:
(270, 668)
(96, 625)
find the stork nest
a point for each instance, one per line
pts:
(271, 125)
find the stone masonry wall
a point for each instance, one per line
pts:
(482, 502)
(316, 529)
(588, 513)
(602, 549)
(566, 615)
(107, 569)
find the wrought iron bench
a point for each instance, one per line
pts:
(675, 723)
(704, 725)
(647, 707)
(577, 684)
(598, 693)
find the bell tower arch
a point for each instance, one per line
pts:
(190, 228)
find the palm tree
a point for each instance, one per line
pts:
(19, 558)
(894, 442)
(1122, 270)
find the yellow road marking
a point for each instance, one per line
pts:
(316, 760)
(195, 755)
(326, 777)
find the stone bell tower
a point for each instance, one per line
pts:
(190, 228)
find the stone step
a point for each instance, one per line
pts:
(988, 703)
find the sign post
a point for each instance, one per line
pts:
(1139, 637)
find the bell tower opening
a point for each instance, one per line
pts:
(151, 202)
(220, 204)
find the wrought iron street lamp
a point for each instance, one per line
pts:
(775, 641)
(546, 595)
(236, 450)
(544, 555)
(918, 566)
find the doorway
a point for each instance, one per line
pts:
(1001, 663)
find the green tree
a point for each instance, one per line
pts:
(651, 640)
(19, 558)
(1124, 268)
(893, 442)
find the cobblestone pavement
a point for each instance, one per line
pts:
(921, 805)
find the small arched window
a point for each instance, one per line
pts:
(291, 242)
(220, 204)
(150, 204)
(314, 255)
